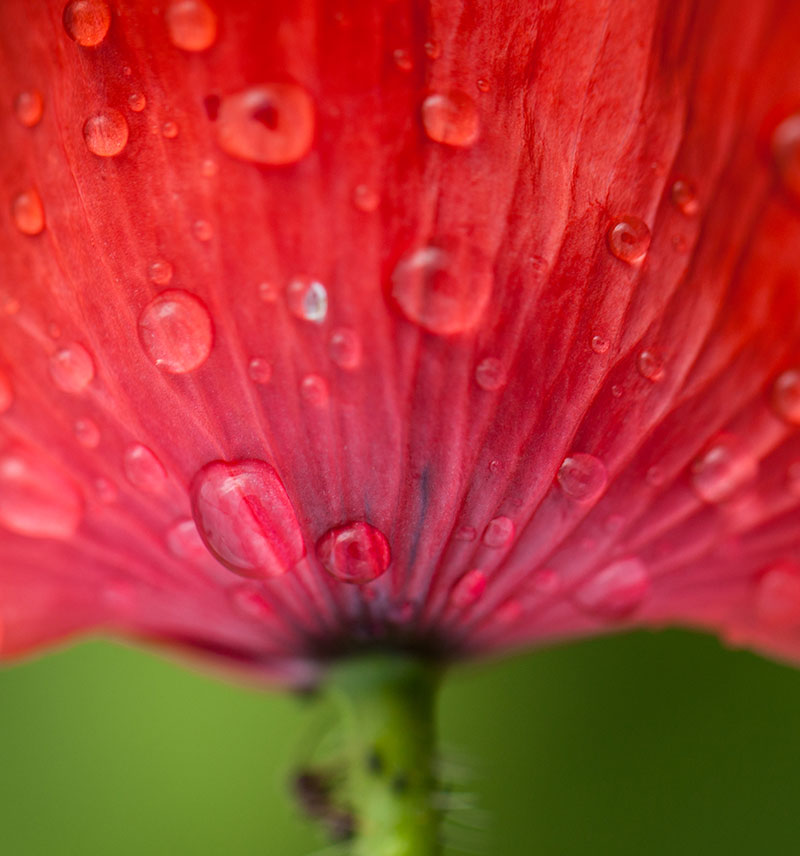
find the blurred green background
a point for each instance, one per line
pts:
(657, 743)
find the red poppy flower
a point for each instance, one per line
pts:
(443, 328)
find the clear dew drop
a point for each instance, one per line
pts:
(87, 21)
(786, 152)
(137, 102)
(616, 591)
(786, 396)
(176, 332)
(628, 239)
(444, 291)
(314, 390)
(191, 25)
(355, 553)
(29, 108)
(269, 124)
(402, 59)
(87, 433)
(600, 344)
(259, 370)
(650, 366)
(345, 348)
(27, 211)
(202, 230)
(468, 589)
(365, 198)
(684, 197)
(246, 519)
(106, 133)
(490, 375)
(160, 272)
(35, 499)
(72, 368)
(307, 299)
(184, 541)
(143, 469)
(499, 532)
(451, 118)
(582, 477)
(777, 596)
(483, 84)
(723, 470)
(6, 392)
(169, 130)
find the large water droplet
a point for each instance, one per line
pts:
(489, 374)
(777, 600)
(582, 477)
(143, 469)
(35, 499)
(307, 299)
(6, 392)
(246, 519)
(269, 124)
(29, 107)
(445, 291)
(615, 591)
(499, 532)
(721, 471)
(345, 348)
(786, 396)
(184, 541)
(27, 212)
(629, 239)
(468, 589)
(191, 25)
(87, 21)
(72, 368)
(176, 332)
(451, 118)
(106, 134)
(354, 553)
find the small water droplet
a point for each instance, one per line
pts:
(143, 469)
(495, 467)
(184, 541)
(616, 591)
(169, 130)
(402, 59)
(582, 477)
(268, 292)
(433, 49)
(314, 390)
(106, 490)
(27, 212)
(468, 589)
(176, 332)
(616, 390)
(87, 21)
(721, 471)
(259, 370)
(246, 519)
(269, 124)
(445, 292)
(202, 230)
(160, 272)
(72, 368)
(35, 499)
(6, 392)
(106, 134)
(628, 239)
(499, 532)
(650, 365)
(684, 197)
(465, 533)
(490, 375)
(354, 553)
(209, 168)
(600, 344)
(345, 348)
(365, 198)
(87, 433)
(191, 25)
(655, 476)
(307, 299)
(29, 107)
(777, 599)
(786, 152)
(451, 118)
(483, 84)
(786, 396)
(137, 102)
(250, 601)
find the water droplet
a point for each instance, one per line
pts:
(483, 84)
(160, 272)
(402, 59)
(314, 390)
(445, 292)
(143, 469)
(777, 600)
(468, 589)
(489, 374)
(176, 332)
(27, 212)
(35, 499)
(29, 107)
(629, 239)
(259, 370)
(650, 366)
(137, 102)
(723, 469)
(87, 21)
(451, 118)
(53, 330)
(191, 25)
(106, 490)
(433, 49)
(72, 368)
(495, 467)
(499, 532)
(202, 230)
(307, 299)
(582, 477)
(617, 390)
(345, 348)
(365, 198)
(209, 168)
(269, 124)
(268, 292)
(600, 344)
(6, 392)
(169, 130)
(250, 601)
(786, 152)
(106, 134)
(465, 533)
(786, 396)
(684, 197)
(655, 476)
(615, 591)
(354, 553)
(88, 433)
(184, 541)
(246, 519)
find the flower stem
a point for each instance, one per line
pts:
(387, 704)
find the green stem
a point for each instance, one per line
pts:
(387, 703)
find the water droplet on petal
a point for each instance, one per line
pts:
(786, 152)
(433, 49)
(72, 368)
(307, 299)
(365, 198)
(723, 469)
(354, 553)
(184, 541)
(468, 589)
(27, 212)
(269, 124)
(137, 102)
(483, 84)
(786, 396)
(191, 25)
(106, 134)
(143, 469)
(684, 197)
(209, 168)
(629, 239)
(202, 230)
(6, 392)
(176, 332)
(445, 292)
(489, 374)
(250, 601)
(777, 600)
(345, 348)
(169, 130)
(582, 477)
(600, 344)
(268, 292)
(465, 533)
(29, 107)
(160, 272)
(314, 390)
(88, 433)
(650, 366)
(402, 59)
(87, 21)
(35, 499)
(106, 490)
(451, 118)
(246, 519)
(499, 532)
(615, 591)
